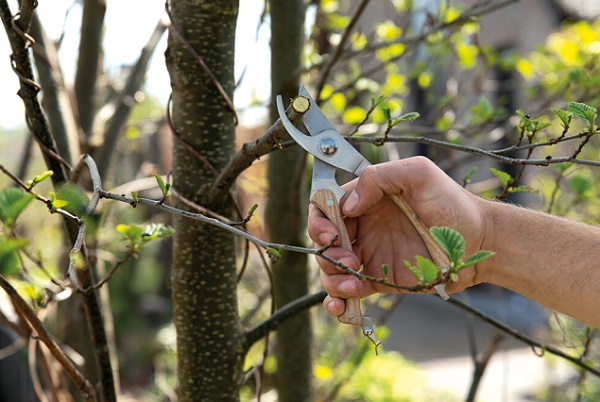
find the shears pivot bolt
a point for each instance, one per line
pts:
(328, 146)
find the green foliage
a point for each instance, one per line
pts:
(508, 183)
(72, 199)
(9, 254)
(453, 244)
(13, 202)
(584, 112)
(425, 271)
(137, 235)
(164, 187)
(39, 178)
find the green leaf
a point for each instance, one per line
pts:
(385, 268)
(273, 253)
(9, 257)
(164, 187)
(564, 116)
(416, 271)
(412, 116)
(428, 268)
(451, 241)
(133, 232)
(39, 178)
(13, 202)
(585, 112)
(156, 231)
(477, 258)
(134, 195)
(71, 198)
(504, 177)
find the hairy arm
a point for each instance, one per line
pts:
(551, 260)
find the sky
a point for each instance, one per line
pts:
(123, 45)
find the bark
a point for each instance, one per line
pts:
(88, 63)
(203, 276)
(55, 101)
(286, 209)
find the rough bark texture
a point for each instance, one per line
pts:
(203, 276)
(287, 209)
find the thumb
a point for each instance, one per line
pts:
(366, 193)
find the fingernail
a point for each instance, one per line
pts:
(351, 202)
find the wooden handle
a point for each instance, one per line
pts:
(438, 255)
(325, 200)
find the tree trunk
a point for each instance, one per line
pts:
(203, 276)
(287, 208)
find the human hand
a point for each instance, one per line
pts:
(383, 235)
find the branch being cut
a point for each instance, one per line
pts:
(252, 151)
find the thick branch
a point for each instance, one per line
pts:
(287, 311)
(252, 151)
(88, 62)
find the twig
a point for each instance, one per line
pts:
(481, 363)
(125, 99)
(326, 70)
(81, 382)
(578, 361)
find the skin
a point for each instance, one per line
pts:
(551, 260)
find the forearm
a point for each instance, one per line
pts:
(551, 260)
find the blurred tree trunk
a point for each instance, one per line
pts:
(203, 276)
(89, 63)
(286, 209)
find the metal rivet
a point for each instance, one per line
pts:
(328, 146)
(351, 315)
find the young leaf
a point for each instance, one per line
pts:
(133, 233)
(585, 112)
(564, 116)
(416, 271)
(12, 203)
(504, 177)
(477, 258)
(164, 188)
(39, 178)
(385, 268)
(428, 268)
(412, 116)
(451, 241)
(156, 231)
(134, 195)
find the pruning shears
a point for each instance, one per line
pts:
(331, 152)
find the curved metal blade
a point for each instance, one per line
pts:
(343, 157)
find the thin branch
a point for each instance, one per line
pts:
(578, 361)
(284, 313)
(126, 99)
(326, 70)
(87, 390)
(478, 151)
